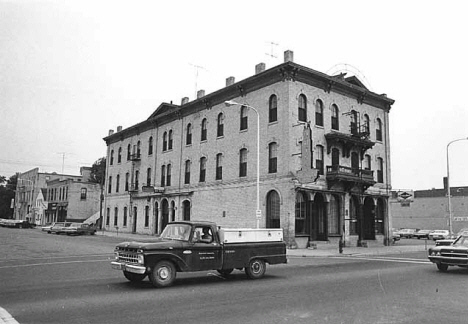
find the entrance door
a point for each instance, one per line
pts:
(369, 219)
(319, 218)
(135, 214)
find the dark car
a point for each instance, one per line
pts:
(79, 229)
(422, 234)
(455, 254)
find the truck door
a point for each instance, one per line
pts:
(206, 250)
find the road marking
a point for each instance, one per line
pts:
(51, 263)
(398, 260)
(59, 257)
(6, 318)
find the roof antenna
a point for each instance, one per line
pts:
(197, 68)
(272, 55)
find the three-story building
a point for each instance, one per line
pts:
(324, 158)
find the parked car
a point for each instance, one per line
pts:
(394, 235)
(439, 235)
(407, 232)
(453, 255)
(47, 227)
(422, 234)
(18, 223)
(58, 228)
(79, 229)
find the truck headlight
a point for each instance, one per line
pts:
(141, 259)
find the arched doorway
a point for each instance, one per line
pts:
(186, 211)
(368, 226)
(273, 210)
(156, 218)
(319, 219)
(164, 213)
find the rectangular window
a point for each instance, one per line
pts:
(319, 159)
(125, 217)
(168, 176)
(116, 215)
(219, 167)
(108, 216)
(243, 163)
(127, 179)
(202, 169)
(163, 176)
(83, 193)
(146, 216)
(187, 172)
(110, 185)
(272, 159)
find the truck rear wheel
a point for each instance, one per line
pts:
(163, 274)
(134, 277)
(256, 269)
(442, 267)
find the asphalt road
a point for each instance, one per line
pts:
(61, 279)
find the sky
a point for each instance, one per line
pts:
(72, 70)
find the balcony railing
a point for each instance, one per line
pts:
(135, 157)
(344, 173)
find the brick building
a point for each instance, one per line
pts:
(324, 159)
(72, 198)
(429, 209)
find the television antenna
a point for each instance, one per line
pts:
(197, 69)
(272, 50)
(349, 69)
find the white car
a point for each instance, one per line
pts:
(439, 235)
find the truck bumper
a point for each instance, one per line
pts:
(133, 268)
(449, 261)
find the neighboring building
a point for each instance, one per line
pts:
(28, 188)
(40, 207)
(429, 209)
(72, 198)
(324, 159)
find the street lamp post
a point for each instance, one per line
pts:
(258, 212)
(448, 184)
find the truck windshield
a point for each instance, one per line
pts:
(179, 232)
(461, 241)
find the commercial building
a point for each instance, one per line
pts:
(324, 159)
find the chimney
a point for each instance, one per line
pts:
(259, 68)
(230, 81)
(119, 129)
(111, 131)
(200, 93)
(288, 56)
(184, 101)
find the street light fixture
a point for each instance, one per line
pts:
(258, 212)
(448, 184)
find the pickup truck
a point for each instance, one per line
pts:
(199, 246)
(455, 254)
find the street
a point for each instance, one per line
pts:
(49, 278)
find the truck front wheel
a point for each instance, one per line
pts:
(256, 269)
(134, 277)
(163, 274)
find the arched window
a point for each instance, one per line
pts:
(165, 141)
(243, 162)
(380, 169)
(204, 134)
(219, 166)
(220, 131)
(188, 165)
(117, 183)
(366, 124)
(168, 175)
(335, 121)
(319, 112)
(148, 177)
(378, 130)
(273, 210)
(273, 109)
(302, 108)
(127, 179)
(119, 156)
(138, 149)
(146, 216)
(243, 118)
(125, 213)
(188, 137)
(334, 216)
(319, 159)
(202, 169)
(129, 151)
(112, 158)
(163, 175)
(150, 145)
(169, 145)
(272, 157)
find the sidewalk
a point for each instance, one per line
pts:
(322, 250)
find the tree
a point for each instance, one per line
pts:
(7, 193)
(98, 171)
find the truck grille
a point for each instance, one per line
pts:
(128, 257)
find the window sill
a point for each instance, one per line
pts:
(273, 123)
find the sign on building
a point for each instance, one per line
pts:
(405, 195)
